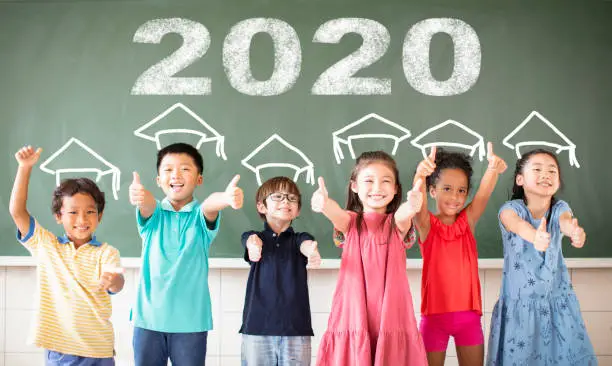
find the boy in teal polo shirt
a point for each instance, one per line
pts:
(172, 314)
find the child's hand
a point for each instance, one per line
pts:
(319, 197)
(578, 236)
(112, 278)
(542, 238)
(254, 245)
(414, 197)
(27, 157)
(137, 191)
(233, 194)
(496, 163)
(427, 166)
(312, 253)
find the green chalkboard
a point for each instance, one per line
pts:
(297, 88)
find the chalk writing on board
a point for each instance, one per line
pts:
(58, 163)
(463, 137)
(557, 139)
(158, 127)
(337, 79)
(284, 155)
(369, 126)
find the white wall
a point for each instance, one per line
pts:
(18, 283)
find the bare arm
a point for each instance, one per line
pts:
(233, 196)
(424, 170)
(141, 198)
(570, 228)
(321, 202)
(308, 248)
(515, 224)
(487, 184)
(26, 157)
(408, 209)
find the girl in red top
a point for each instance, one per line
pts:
(450, 289)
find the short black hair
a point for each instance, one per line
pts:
(70, 187)
(450, 160)
(181, 148)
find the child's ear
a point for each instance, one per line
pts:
(100, 216)
(200, 179)
(58, 218)
(354, 186)
(432, 191)
(261, 208)
(519, 180)
(157, 181)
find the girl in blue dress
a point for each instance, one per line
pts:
(537, 319)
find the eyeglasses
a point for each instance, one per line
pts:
(279, 197)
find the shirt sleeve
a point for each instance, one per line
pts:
(36, 237)
(145, 224)
(210, 231)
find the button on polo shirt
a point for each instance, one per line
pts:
(276, 301)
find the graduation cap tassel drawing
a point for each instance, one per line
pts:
(275, 152)
(369, 126)
(158, 127)
(560, 142)
(57, 163)
(462, 136)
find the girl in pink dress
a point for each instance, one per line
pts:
(372, 319)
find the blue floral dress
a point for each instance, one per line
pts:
(537, 319)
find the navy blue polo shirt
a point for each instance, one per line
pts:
(276, 301)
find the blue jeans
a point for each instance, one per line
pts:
(153, 348)
(275, 350)
(53, 358)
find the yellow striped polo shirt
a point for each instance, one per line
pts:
(73, 310)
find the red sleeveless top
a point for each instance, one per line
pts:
(450, 279)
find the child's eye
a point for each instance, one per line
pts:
(91, 212)
(462, 191)
(446, 189)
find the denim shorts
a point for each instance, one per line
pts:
(53, 358)
(276, 350)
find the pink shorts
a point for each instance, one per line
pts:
(464, 326)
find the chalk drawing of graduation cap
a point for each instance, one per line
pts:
(450, 134)
(524, 135)
(76, 157)
(278, 153)
(369, 126)
(159, 126)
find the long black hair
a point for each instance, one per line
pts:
(518, 192)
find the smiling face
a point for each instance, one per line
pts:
(539, 176)
(450, 191)
(281, 207)
(178, 176)
(79, 216)
(376, 186)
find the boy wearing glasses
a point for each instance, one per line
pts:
(276, 325)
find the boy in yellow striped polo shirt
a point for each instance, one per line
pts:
(76, 272)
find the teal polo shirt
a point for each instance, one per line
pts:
(173, 294)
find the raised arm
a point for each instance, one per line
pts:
(424, 170)
(487, 184)
(27, 158)
(570, 228)
(408, 209)
(141, 198)
(515, 224)
(233, 196)
(321, 202)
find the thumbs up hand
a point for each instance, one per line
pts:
(578, 236)
(428, 165)
(414, 197)
(254, 246)
(234, 195)
(137, 191)
(496, 163)
(319, 197)
(542, 238)
(310, 249)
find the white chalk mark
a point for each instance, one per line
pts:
(478, 145)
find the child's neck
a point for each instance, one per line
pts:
(178, 205)
(78, 243)
(538, 205)
(380, 210)
(278, 226)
